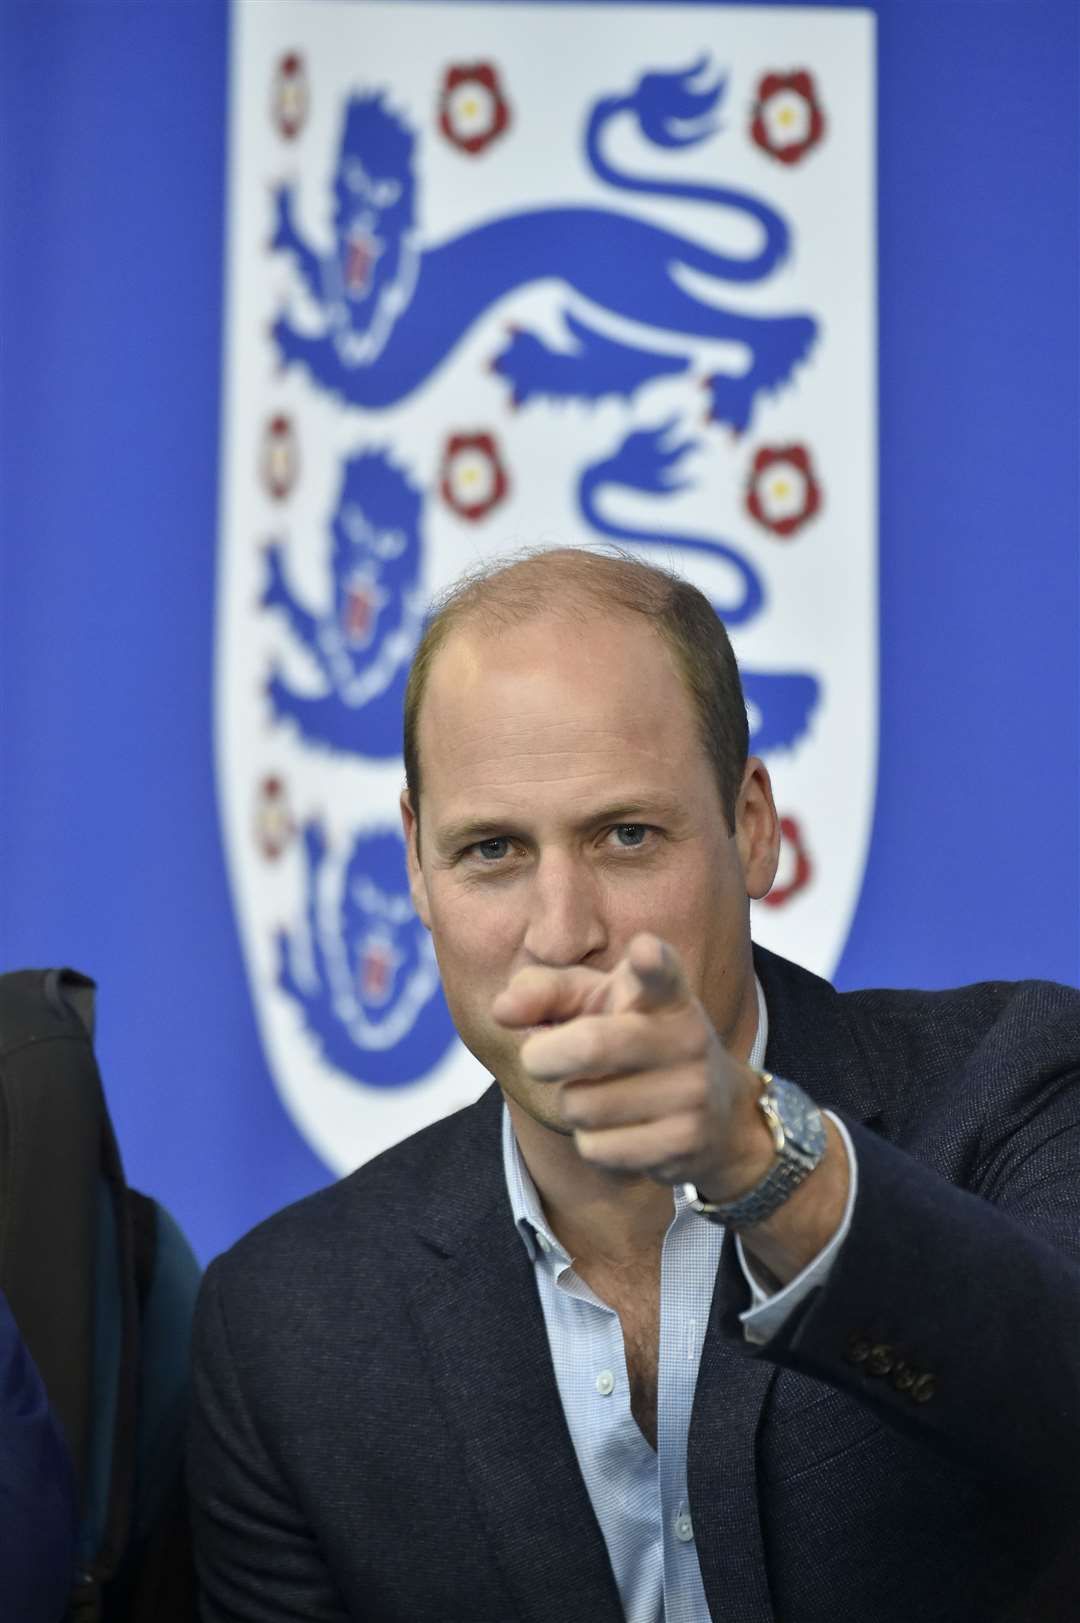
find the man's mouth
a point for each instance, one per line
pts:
(539, 1029)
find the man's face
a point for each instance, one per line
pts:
(568, 804)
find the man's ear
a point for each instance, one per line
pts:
(757, 829)
(418, 889)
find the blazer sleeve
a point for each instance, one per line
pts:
(37, 1490)
(258, 1560)
(955, 1312)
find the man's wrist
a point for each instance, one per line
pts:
(796, 1142)
(775, 1295)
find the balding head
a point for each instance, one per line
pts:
(576, 586)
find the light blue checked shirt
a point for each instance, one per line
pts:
(639, 1497)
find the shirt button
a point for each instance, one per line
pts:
(605, 1383)
(542, 1241)
(684, 1527)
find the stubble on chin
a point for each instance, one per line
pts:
(537, 1100)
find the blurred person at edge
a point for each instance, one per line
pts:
(734, 1297)
(37, 1491)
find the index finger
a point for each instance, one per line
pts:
(650, 978)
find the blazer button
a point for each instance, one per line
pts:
(880, 1361)
(923, 1389)
(858, 1349)
(903, 1377)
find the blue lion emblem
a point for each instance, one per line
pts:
(363, 639)
(391, 312)
(364, 976)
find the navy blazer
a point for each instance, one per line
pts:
(377, 1432)
(37, 1491)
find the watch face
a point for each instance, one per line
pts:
(800, 1118)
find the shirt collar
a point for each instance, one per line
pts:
(756, 1057)
(525, 1204)
(529, 1217)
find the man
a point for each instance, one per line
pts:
(647, 1332)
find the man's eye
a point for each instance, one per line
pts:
(492, 850)
(630, 834)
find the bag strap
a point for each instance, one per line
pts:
(144, 1225)
(122, 1476)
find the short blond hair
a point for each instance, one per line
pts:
(575, 583)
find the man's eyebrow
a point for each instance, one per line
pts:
(640, 809)
(468, 833)
(637, 809)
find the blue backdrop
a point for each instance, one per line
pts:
(112, 154)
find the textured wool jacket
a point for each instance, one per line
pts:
(378, 1435)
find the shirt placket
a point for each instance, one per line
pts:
(619, 1465)
(690, 1255)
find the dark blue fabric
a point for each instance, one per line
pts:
(378, 1433)
(37, 1493)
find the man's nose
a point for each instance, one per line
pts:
(565, 917)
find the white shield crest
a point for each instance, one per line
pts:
(482, 292)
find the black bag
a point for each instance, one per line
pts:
(102, 1286)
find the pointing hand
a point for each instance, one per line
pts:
(647, 1086)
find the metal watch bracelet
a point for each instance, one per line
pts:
(798, 1134)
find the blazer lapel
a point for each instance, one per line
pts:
(812, 1041)
(721, 1467)
(478, 1313)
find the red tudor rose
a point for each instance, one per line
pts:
(783, 492)
(788, 120)
(274, 826)
(795, 870)
(473, 111)
(473, 479)
(279, 458)
(291, 95)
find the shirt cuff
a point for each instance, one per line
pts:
(767, 1312)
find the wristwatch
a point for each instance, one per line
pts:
(798, 1135)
